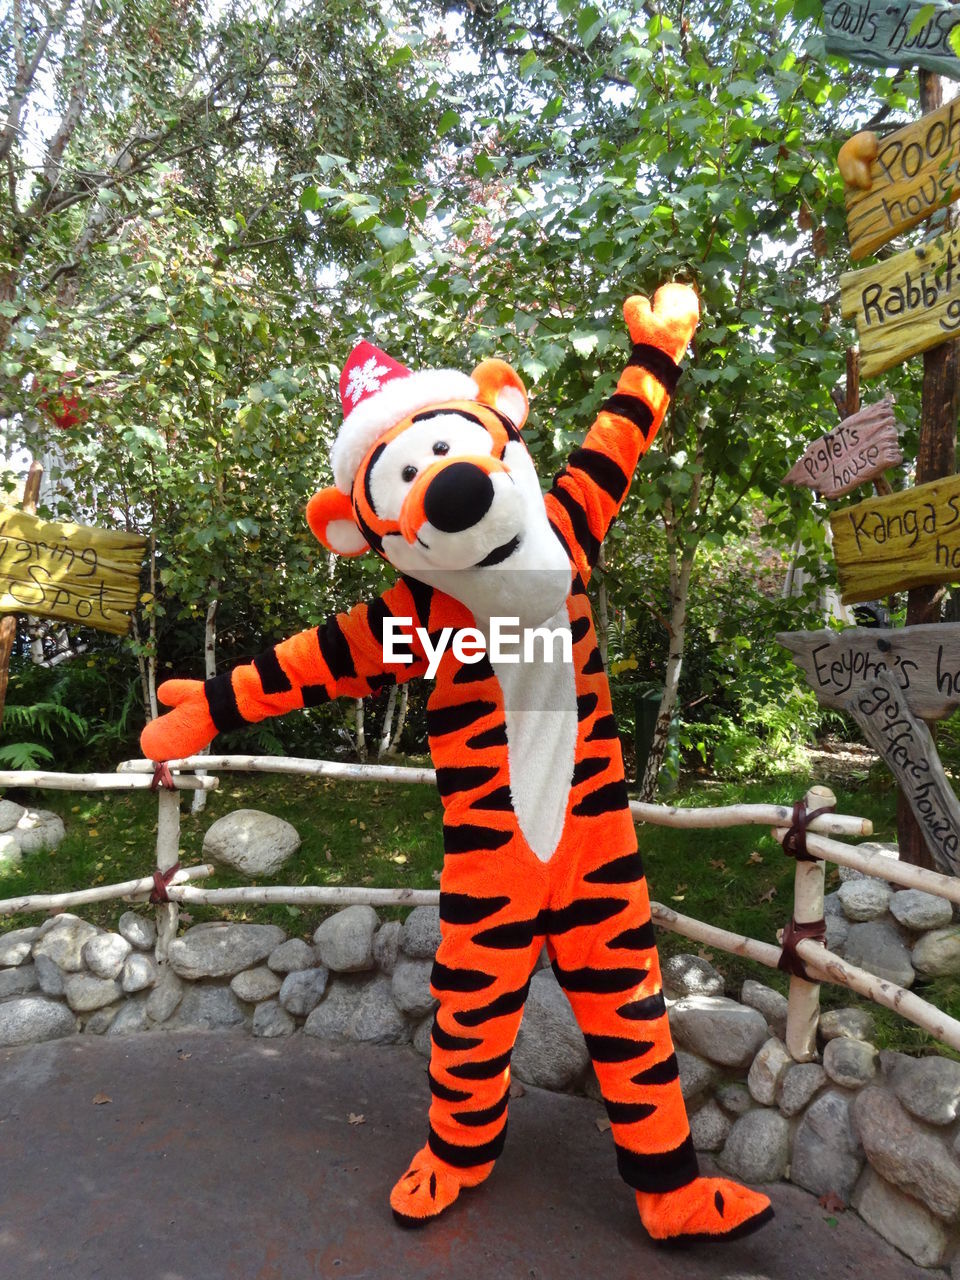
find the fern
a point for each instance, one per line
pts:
(24, 755)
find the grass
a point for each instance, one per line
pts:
(390, 835)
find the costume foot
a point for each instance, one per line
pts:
(705, 1209)
(429, 1186)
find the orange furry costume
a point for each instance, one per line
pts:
(431, 472)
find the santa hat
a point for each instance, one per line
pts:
(377, 392)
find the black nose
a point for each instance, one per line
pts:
(457, 497)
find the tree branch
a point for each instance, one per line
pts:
(26, 72)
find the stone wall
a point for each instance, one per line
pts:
(878, 1130)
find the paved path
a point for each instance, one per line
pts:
(221, 1157)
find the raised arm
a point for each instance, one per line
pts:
(341, 658)
(588, 492)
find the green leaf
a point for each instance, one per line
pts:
(449, 120)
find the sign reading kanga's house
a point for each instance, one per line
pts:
(68, 571)
(880, 33)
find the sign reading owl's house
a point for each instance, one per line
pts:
(893, 33)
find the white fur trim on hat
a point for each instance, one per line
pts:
(375, 415)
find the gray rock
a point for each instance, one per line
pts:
(709, 1127)
(49, 975)
(165, 996)
(140, 931)
(937, 954)
(29, 1019)
(410, 984)
(420, 935)
(303, 990)
(292, 956)
(550, 1049)
(359, 1010)
(15, 945)
(696, 1075)
(255, 984)
(344, 942)
(917, 910)
(139, 973)
(773, 1005)
(85, 992)
(758, 1147)
(801, 1082)
(832, 907)
(422, 1041)
(902, 1222)
(878, 947)
(718, 1029)
(207, 1007)
(251, 842)
(827, 1155)
(220, 950)
(687, 975)
(270, 1020)
(767, 1070)
(38, 829)
(10, 814)
(855, 1024)
(735, 1099)
(131, 1016)
(105, 953)
(929, 1088)
(864, 899)
(100, 1021)
(63, 942)
(16, 982)
(912, 1158)
(838, 930)
(850, 1063)
(11, 855)
(386, 945)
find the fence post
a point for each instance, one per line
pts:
(803, 1002)
(168, 854)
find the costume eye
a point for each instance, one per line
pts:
(408, 472)
(440, 448)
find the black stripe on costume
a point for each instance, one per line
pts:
(497, 801)
(422, 596)
(600, 982)
(456, 1044)
(603, 729)
(629, 1112)
(368, 472)
(464, 908)
(588, 768)
(443, 720)
(495, 737)
(645, 1010)
(485, 1070)
(475, 1119)
(514, 936)
(222, 700)
(374, 539)
(562, 540)
(665, 1171)
(582, 911)
(335, 650)
(468, 837)
(609, 798)
(314, 695)
(594, 663)
(273, 678)
(657, 362)
(642, 938)
(377, 614)
(661, 1073)
(579, 628)
(444, 1093)
(508, 1002)
(585, 704)
(466, 1157)
(602, 470)
(473, 672)
(452, 779)
(615, 1048)
(623, 870)
(632, 408)
(578, 522)
(446, 979)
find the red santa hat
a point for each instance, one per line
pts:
(377, 392)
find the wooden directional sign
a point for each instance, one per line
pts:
(878, 32)
(909, 539)
(67, 571)
(862, 447)
(906, 304)
(880, 709)
(913, 173)
(924, 662)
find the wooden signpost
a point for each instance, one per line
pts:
(878, 32)
(68, 571)
(905, 304)
(895, 182)
(861, 448)
(908, 539)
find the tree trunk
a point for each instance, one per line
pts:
(603, 609)
(360, 736)
(679, 592)
(387, 723)
(199, 801)
(401, 720)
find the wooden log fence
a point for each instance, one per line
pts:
(803, 1004)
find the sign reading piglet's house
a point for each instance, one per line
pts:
(68, 571)
(861, 448)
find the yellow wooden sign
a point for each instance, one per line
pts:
(904, 305)
(68, 571)
(912, 174)
(909, 539)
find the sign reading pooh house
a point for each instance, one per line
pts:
(68, 571)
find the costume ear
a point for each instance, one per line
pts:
(330, 517)
(502, 389)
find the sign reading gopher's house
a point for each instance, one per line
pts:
(68, 571)
(909, 539)
(862, 447)
(880, 33)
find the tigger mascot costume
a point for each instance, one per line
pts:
(432, 474)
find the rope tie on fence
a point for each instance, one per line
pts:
(794, 933)
(161, 880)
(795, 841)
(162, 777)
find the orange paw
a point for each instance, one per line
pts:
(669, 324)
(705, 1209)
(429, 1186)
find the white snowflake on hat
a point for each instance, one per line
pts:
(365, 378)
